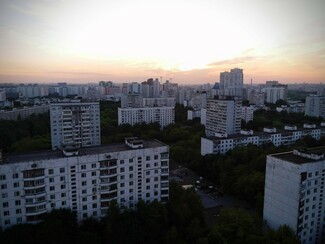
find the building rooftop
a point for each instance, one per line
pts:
(303, 156)
(44, 155)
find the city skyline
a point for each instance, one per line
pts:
(188, 41)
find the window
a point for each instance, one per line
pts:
(62, 178)
(64, 203)
(93, 182)
(94, 205)
(131, 160)
(131, 168)
(2, 177)
(15, 176)
(121, 192)
(17, 202)
(84, 191)
(93, 173)
(122, 170)
(156, 156)
(63, 194)
(5, 204)
(18, 211)
(84, 199)
(4, 186)
(121, 161)
(5, 213)
(131, 183)
(62, 170)
(52, 196)
(52, 205)
(83, 175)
(84, 183)
(17, 194)
(83, 166)
(93, 166)
(131, 176)
(52, 188)
(84, 207)
(51, 171)
(4, 195)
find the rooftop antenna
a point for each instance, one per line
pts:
(251, 83)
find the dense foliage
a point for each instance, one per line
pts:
(30, 134)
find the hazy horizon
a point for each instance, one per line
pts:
(47, 41)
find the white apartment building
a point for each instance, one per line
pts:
(294, 188)
(315, 106)
(273, 94)
(223, 116)
(247, 113)
(23, 113)
(75, 124)
(85, 181)
(231, 83)
(290, 134)
(163, 115)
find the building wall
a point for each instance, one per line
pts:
(23, 113)
(223, 116)
(294, 196)
(163, 115)
(86, 184)
(75, 124)
(315, 106)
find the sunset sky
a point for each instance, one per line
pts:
(189, 41)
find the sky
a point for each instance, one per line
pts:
(189, 41)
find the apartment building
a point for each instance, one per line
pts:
(75, 124)
(163, 115)
(288, 136)
(231, 83)
(315, 106)
(294, 188)
(223, 116)
(85, 180)
(23, 113)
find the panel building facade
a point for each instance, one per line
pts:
(75, 124)
(223, 116)
(85, 181)
(294, 188)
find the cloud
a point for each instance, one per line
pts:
(234, 61)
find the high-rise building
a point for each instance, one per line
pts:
(294, 188)
(275, 93)
(231, 83)
(75, 124)
(315, 106)
(247, 113)
(85, 180)
(223, 116)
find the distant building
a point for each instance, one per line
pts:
(23, 113)
(315, 106)
(231, 83)
(75, 124)
(86, 181)
(223, 116)
(247, 113)
(275, 93)
(294, 188)
(163, 115)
